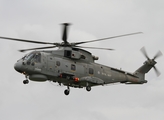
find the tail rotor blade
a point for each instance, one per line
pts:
(159, 53)
(156, 71)
(143, 50)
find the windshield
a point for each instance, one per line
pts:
(32, 57)
(28, 57)
(37, 57)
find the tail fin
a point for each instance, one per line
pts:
(141, 71)
(150, 63)
(146, 67)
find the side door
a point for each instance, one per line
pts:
(50, 64)
(79, 69)
(53, 65)
(90, 70)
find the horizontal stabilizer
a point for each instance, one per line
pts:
(141, 82)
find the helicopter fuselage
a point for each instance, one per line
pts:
(71, 67)
(75, 67)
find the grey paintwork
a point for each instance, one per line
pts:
(76, 68)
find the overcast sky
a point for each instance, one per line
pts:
(91, 19)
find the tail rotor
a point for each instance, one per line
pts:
(159, 54)
(152, 62)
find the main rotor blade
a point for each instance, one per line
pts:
(94, 48)
(24, 50)
(156, 71)
(159, 53)
(23, 40)
(107, 38)
(143, 50)
(65, 31)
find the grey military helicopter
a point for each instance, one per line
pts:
(72, 66)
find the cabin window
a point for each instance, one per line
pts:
(83, 57)
(73, 67)
(67, 53)
(91, 71)
(57, 63)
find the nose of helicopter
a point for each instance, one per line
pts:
(18, 67)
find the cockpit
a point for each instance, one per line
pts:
(27, 62)
(34, 57)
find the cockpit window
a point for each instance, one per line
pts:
(32, 57)
(28, 57)
(37, 57)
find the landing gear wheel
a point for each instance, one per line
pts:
(25, 81)
(88, 88)
(66, 92)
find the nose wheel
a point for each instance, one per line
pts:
(26, 81)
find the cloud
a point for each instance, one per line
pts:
(40, 20)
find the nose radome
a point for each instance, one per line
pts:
(18, 67)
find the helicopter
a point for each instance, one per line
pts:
(72, 66)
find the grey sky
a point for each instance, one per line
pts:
(91, 19)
